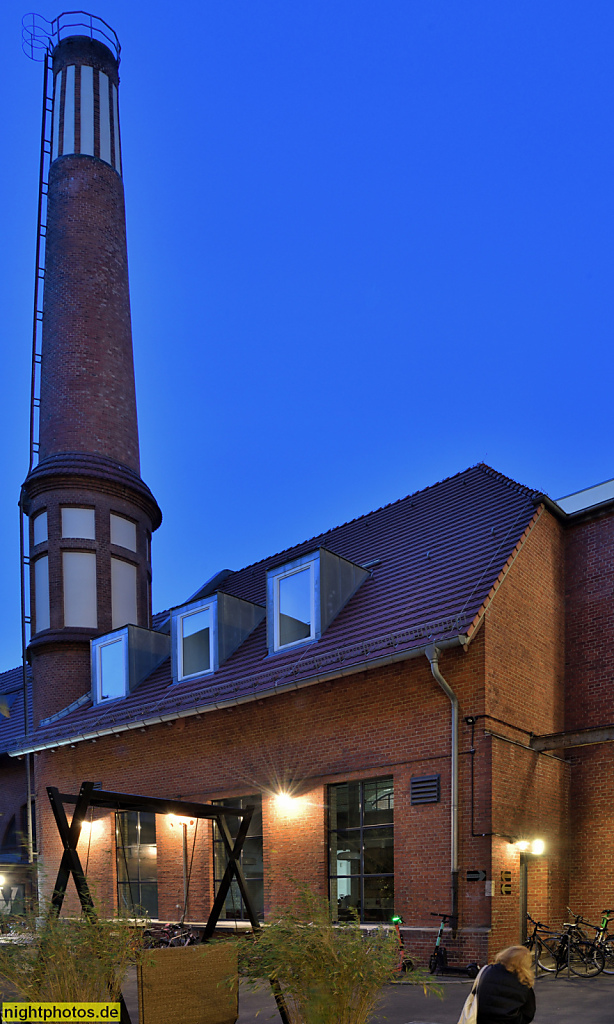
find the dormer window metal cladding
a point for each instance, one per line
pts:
(206, 632)
(305, 595)
(121, 660)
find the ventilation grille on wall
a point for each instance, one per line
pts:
(425, 789)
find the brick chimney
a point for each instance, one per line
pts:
(91, 516)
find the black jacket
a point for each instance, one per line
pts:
(503, 999)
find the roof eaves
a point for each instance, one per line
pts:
(198, 709)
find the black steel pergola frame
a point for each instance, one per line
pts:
(70, 863)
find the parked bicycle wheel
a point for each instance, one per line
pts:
(546, 957)
(585, 959)
(608, 950)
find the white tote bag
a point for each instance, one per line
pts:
(469, 1012)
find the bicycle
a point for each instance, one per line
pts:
(554, 952)
(438, 960)
(165, 935)
(543, 943)
(602, 939)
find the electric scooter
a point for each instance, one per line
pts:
(406, 962)
(438, 960)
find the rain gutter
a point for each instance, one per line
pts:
(432, 654)
(201, 709)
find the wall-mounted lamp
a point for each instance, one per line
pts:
(285, 801)
(534, 846)
(2, 879)
(91, 829)
(174, 819)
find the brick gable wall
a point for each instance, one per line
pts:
(589, 682)
(524, 639)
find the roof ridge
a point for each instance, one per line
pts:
(515, 484)
(365, 515)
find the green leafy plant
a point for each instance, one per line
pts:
(329, 974)
(66, 960)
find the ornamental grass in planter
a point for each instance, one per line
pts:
(70, 960)
(329, 974)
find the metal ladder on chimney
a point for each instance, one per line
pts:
(35, 385)
(39, 272)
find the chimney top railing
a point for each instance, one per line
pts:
(40, 36)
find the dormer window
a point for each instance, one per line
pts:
(304, 596)
(112, 667)
(207, 631)
(195, 637)
(122, 660)
(294, 606)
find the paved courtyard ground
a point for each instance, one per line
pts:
(560, 1001)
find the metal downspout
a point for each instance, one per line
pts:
(432, 654)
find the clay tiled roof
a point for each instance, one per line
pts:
(437, 554)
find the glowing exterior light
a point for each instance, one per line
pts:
(91, 829)
(522, 845)
(174, 819)
(538, 846)
(285, 801)
(2, 879)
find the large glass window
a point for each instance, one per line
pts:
(123, 532)
(41, 593)
(137, 864)
(80, 588)
(12, 900)
(39, 531)
(294, 607)
(123, 593)
(78, 522)
(251, 861)
(361, 849)
(195, 642)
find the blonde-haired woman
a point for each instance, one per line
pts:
(505, 993)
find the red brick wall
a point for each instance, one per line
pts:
(524, 631)
(61, 674)
(589, 624)
(393, 721)
(87, 389)
(591, 883)
(589, 685)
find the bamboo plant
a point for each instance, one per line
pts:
(329, 974)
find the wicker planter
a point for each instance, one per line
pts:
(189, 985)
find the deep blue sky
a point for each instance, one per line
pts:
(370, 244)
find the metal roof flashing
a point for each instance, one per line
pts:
(589, 498)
